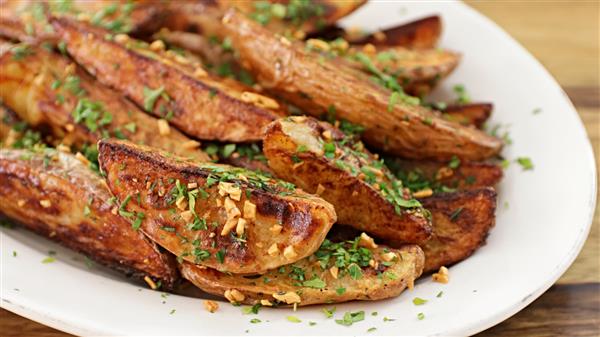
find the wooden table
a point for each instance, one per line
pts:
(564, 37)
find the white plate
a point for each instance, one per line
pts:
(535, 239)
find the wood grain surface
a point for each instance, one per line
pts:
(564, 36)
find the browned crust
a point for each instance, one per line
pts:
(305, 219)
(457, 234)
(370, 287)
(461, 223)
(357, 203)
(419, 34)
(27, 178)
(469, 114)
(315, 85)
(203, 107)
(26, 86)
(16, 15)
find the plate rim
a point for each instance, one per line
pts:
(562, 267)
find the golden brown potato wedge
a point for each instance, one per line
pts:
(392, 123)
(461, 223)
(27, 20)
(49, 91)
(318, 279)
(419, 34)
(56, 196)
(289, 17)
(416, 71)
(166, 84)
(469, 114)
(226, 218)
(445, 176)
(321, 159)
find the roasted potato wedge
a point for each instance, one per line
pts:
(195, 210)
(27, 20)
(392, 123)
(445, 176)
(295, 17)
(416, 71)
(461, 222)
(49, 91)
(419, 34)
(321, 159)
(318, 279)
(166, 84)
(284, 17)
(468, 114)
(57, 196)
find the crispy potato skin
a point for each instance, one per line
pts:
(305, 219)
(332, 11)
(469, 114)
(313, 85)
(72, 189)
(418, 70)
(26, 86)
(369, 287)
(18, 21)
(358, 204)
(468, 175)
(419, 34)
(456, 235)
(203, 107)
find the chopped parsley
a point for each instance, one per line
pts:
(48, 259)
(456, 213)
(255, 321)
(462, 95)
(329, 149)
(295, 12)
(439, 294)
(150, 97)
(220, 256)
(351, 318)
(340, 290)
(293, 319)
(419, 301)
(91, 114)
(420, 316)
(251, 310)
(525, 163)
(328, 312)
(454, 162)
(21, 51)
(315, 282)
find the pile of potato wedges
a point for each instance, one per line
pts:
(255, 149)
